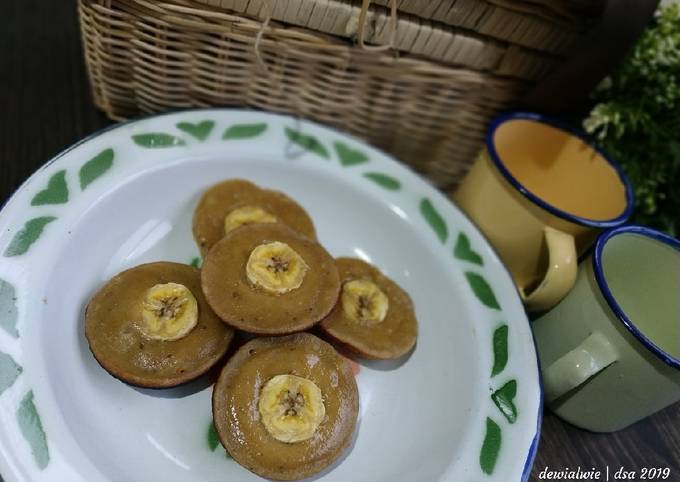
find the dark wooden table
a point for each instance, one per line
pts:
(45, 106)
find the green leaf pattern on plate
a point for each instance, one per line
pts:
(349, 156)
(213, 439)
(8, 308)
(244, 131)
(307, 142)
(504, 398)
(9, 371)
(434, 219)
(199, 130)
(500, 349)
(482, 290)
(383, 180)
(95, 167)
(56, 191)
(196, 262)
(32, 430)
(491, 447)
(27, 235)
(463, 250)
(155, 140)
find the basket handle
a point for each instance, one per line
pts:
(362, 24)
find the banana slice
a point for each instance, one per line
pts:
(169, 312)
(276, 268)
(247, 215)
(291, 408)
(364, 302)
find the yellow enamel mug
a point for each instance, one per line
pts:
(541, 192)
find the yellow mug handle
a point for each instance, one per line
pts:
(561, 273)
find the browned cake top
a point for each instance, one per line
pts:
(114, 328)
(248, 306)
(236, 398)
(234, 194)
(393, 336)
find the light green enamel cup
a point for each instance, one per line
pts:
(610, 350)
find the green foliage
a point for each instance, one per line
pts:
(637, 120)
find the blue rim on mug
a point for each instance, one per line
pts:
(609, 297)
(609, 223)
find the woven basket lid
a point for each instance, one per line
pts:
(567, 12)
(522, 42)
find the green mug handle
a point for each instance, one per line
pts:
(560, 275)
(588, 359)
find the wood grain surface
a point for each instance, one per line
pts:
(45, 106)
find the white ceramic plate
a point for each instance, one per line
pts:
(465, 406)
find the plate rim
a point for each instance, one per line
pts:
(7, 471)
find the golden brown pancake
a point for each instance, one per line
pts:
(238, 419)
(390, 338)
(114, 321)
(227, 196)
(247, 306)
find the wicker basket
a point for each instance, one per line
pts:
(548, 28)
(145, 56)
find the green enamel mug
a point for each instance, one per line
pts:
(610, 350)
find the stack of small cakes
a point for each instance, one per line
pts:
(286, 403)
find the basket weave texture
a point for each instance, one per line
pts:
(145, 57)
(431, 27)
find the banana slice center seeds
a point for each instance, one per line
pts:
(294, 403)
(276, 268)
(291, 408)
(364, 302)
(169, 312)
(247, 215)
